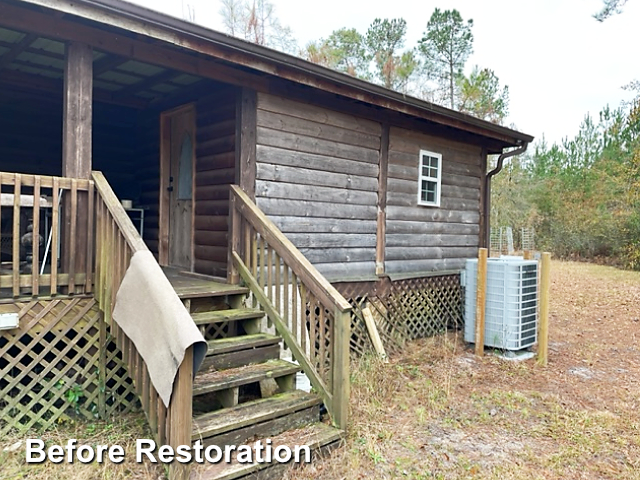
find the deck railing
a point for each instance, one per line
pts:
(46, 235)
(307, 311)
(117, 240)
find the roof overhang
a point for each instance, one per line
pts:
(152, 24)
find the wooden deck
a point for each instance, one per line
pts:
(189, 285)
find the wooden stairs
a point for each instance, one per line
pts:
(245, 391)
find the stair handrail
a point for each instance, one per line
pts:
(318, 338)
(117, 240)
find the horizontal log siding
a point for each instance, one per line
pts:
(215, 171)
(148, 175)
(421, 238)
(317, 179)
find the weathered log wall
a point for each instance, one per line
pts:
(421, 238)
(317, 178)
(215, 171)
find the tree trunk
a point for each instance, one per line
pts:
(451, 84)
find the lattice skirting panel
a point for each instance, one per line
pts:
(59, 364)
(403, 309)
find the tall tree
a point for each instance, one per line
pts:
(446, 46)
(349, 52)
(256, 21)
(480, 94)
(318, 51)
(384, 41)
(609, 8)
(343, 50)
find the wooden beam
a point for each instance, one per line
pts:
(76, 151)
(20, 47)
(481, 293)
(106, 63)
(543, 329)
(246, 136)
(374, 334)
(124, 46)
(165, 171)
(341, 385)
(381, 229)
(37, 51)
(484, 222)
(27, 83)
(161, 77)
(78, 106)
(184, 95)
(180, 413)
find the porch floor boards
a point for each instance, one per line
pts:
(189, 285)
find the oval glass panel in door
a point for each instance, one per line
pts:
(185, 169)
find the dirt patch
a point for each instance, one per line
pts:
(439, 412)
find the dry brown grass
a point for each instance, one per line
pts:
(438, 412)
(121, 431)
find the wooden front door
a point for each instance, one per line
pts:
(177, 161)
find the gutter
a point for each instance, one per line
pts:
(487, 189)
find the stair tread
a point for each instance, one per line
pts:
(212, 380)
(251, 413)
(208, 289)
(244, 342)
(230, 315)
(316, 436)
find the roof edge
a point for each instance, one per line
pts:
(275, 60)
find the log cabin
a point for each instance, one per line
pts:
(147, 162)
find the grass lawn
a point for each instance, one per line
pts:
(439, 412)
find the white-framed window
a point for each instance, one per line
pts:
(429, 178)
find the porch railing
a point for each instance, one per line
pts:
(117, 240)
(307, 311)
(46, 235)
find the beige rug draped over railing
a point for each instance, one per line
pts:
(153, 317)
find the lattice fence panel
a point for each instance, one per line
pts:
(357, 294)
(426, 306)
(119, 391)
(403, 310)
(50, 365)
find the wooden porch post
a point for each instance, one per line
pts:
(484, 222)
(383, 173)
(245, 165)
(76, 147)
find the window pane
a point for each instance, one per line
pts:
(429, 177)
(428, 191)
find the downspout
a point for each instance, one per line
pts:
(487, 191)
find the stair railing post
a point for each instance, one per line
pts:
(341, 385)
(181, 414)
(235, 221)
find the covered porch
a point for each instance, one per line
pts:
(163, 136)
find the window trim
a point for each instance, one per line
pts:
(437, 179)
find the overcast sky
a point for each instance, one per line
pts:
(558, 61)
